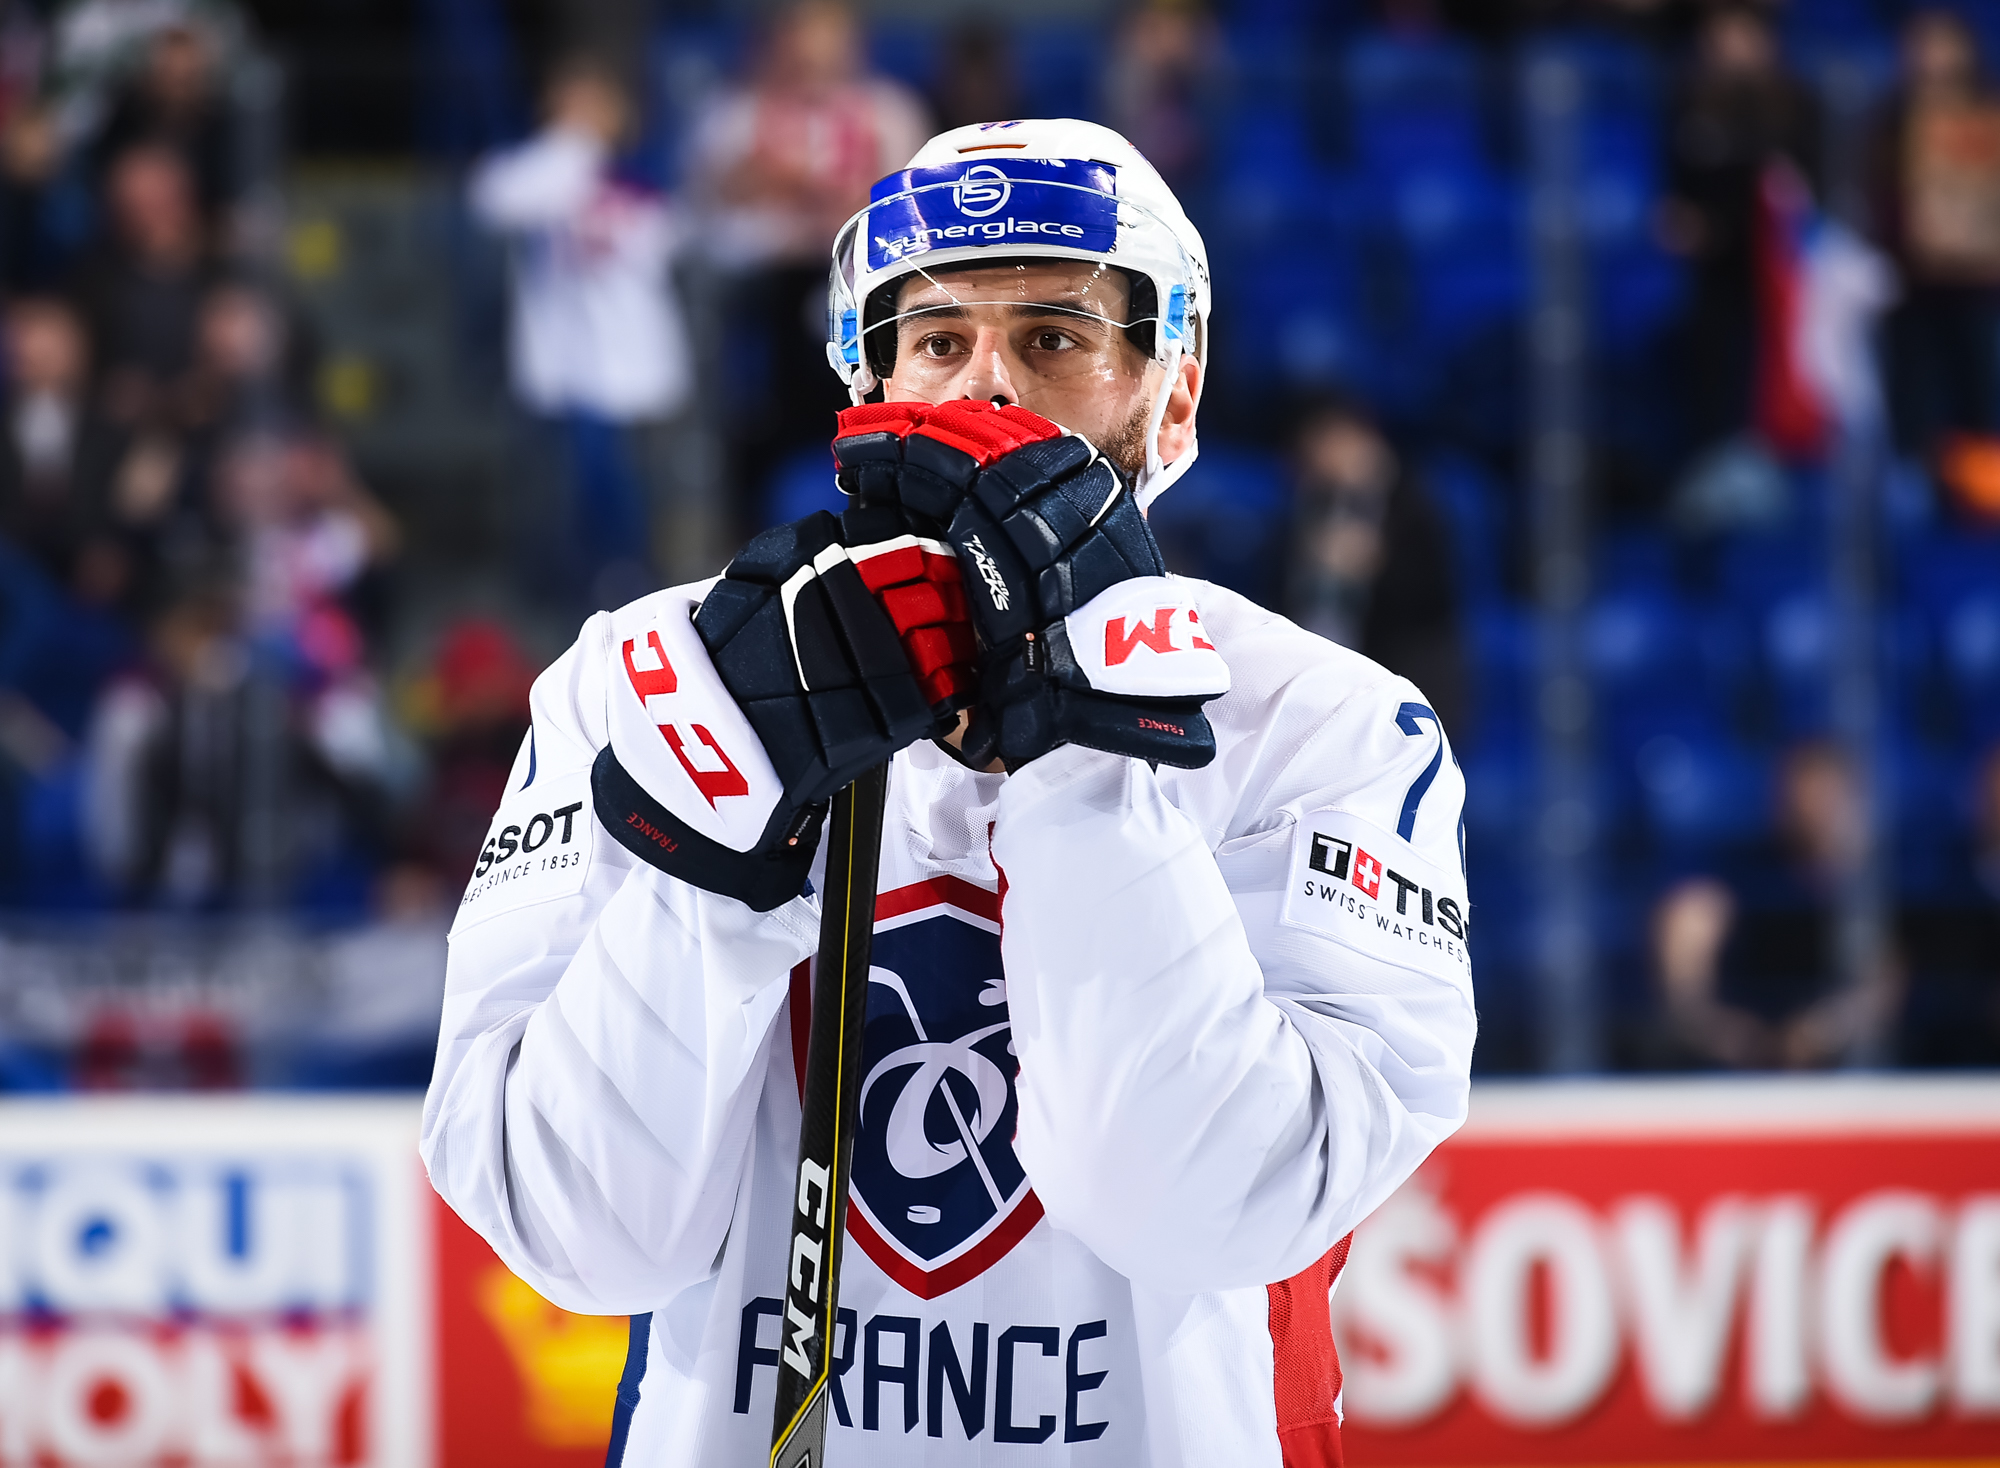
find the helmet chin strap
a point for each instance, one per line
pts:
(1156, 477)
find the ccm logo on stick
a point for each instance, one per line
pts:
(1124, 636)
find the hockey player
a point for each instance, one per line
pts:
(1170, 982)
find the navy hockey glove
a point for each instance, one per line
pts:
(1085, 639)
(792, 679)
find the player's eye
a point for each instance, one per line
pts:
(1048, 339)
(937, 345)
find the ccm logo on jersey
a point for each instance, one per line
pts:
(1145, 637)
(707, 764)
(1373, 891)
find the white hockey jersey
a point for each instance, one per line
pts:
(1139, 1044)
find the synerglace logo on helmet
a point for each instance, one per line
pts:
(984, 190)
(1048, 202)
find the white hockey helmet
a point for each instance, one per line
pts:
(1052, 188)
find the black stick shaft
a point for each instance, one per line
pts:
(831, 1107)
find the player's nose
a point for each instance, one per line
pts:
(989, 376)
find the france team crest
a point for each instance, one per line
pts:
(938, 1196)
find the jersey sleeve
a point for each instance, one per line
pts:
(605, 1032)
(1231, 1054)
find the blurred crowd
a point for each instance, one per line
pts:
(194, 716)
(1790, 215)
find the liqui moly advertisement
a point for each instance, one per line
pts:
(195, 1282)
(1687, 1272)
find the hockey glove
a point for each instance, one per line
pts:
(1085, 640)
(792, 680)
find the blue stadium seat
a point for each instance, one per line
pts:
(1413, 102)
(1921, 792)
(1817, 24)
(1058, 65)
(1224, 521)
(1475, 504)
(800, 485)
(1969, 641)
(1951, 586)
(1501, 655)
(1643, 664)
(907, 52)
(1700, 790)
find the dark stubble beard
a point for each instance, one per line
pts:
(1125, 445)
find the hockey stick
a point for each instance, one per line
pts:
(830, 1110)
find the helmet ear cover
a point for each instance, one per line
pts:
(878, 337)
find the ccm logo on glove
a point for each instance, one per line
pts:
(1144, 637)
(1125, 635)
(714, 774)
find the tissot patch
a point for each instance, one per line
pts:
(1369, 890)
(537, 848)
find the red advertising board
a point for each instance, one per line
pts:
(1690, 1272)
(1698, 1272)
(520, 1382)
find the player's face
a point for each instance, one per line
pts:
(1047, 335)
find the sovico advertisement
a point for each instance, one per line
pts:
(1687, 1272)
(199, 1281)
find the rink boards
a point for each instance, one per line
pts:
(1600, 1273)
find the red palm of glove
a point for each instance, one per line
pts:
(915, 579)
(918, 585)
(980, 430)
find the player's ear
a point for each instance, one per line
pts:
(1177, 427)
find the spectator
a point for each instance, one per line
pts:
(255, 750)
(598, 351)
(1748, 964)
(247, 370)
(98, 45)
(779, 164)
(307, 534)
(471, 707)
(28, 148)
(173, 100)
(57, 458)
(1164, 62)
(143, 294)
(1937, 167)
(1368, 567)
(165, 754)
(1739, 113)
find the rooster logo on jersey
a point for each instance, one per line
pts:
(938, 1194)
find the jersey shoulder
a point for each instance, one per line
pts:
(1306, 722)
(1276, 667)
